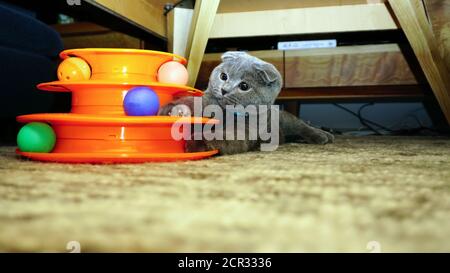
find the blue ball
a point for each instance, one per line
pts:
(141, 101)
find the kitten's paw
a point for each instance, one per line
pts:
(194, 146)
(165, 110)
(330, 136)
(320, 137)
(180, 110)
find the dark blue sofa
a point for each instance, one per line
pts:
(28, 55)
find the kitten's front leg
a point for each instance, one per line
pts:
(182, 107)
(225, 147)
(292, 126)
(316, 136)
(180, 110)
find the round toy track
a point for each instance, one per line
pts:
(111, 158)
(71, 86)
(97, 134)
(79, 52)
(68, 118)
(123, 64)
(106, 98)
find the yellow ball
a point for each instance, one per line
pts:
(74, 69)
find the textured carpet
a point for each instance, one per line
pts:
(392, 190)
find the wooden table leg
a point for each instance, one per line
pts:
(413, 20)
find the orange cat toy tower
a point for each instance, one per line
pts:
(97, 130)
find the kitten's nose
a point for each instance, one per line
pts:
(223, 91)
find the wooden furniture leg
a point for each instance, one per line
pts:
(202, 22)
(413, 20)
(178, 25)
(292, 106)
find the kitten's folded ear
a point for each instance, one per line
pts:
(268, 73)
(233, 55)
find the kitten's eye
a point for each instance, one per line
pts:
(243, 86)
(223, 76)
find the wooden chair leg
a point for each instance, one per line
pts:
(413, 20)
(202, 21)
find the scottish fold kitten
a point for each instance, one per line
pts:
(242, 79)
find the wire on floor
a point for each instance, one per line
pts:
(376, 127)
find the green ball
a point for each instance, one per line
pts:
(36, 137)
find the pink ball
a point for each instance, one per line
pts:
(174, 73)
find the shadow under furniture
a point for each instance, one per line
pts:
(28, 50)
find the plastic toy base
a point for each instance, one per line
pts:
(83, 134)
(115, 158)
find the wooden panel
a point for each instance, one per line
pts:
(108, 40)
(352, 92)
(227, 6)
(342, 66)
(79, 28)
(210, 61)
(148, 14)
(83, 34)
(347, 66)
(414, 22)
(303, 21)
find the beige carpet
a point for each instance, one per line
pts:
(393, 190)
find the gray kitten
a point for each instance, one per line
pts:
(245, 80)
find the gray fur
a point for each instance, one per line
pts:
(264, 82)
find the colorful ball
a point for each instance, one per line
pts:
(74, 69)
(141, 101)
(36, 137)
(173, 73)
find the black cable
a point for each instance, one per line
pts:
(363, 120)
(421, 125)
(372, 122)
(366, 122)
